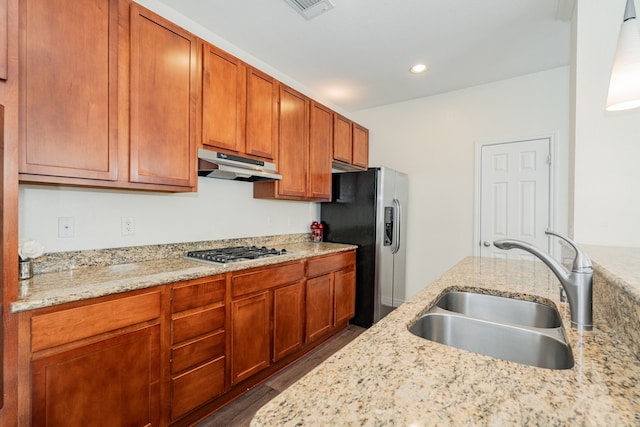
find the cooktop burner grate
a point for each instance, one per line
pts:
(234, 254)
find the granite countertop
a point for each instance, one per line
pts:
(387, 376)
(58, 287)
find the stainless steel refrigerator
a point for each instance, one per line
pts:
(369, 209)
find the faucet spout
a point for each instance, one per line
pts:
(578, 283)
(558, 269)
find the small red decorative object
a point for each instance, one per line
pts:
(316, 231)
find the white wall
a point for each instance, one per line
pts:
(220, 209)
(433, 140)
(607, 144)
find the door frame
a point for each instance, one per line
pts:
(553, 184)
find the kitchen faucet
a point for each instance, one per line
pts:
(578, 284)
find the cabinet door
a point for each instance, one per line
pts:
(250, 336)
(164, 92)
(288, 320)
(342, 139)
(69, 86)
(345, 295)
(292, 150)
(360, 146)
(320, 139)
(114, 382)
(4, 39)
(261, 114)
(222, 100)
(319, 306)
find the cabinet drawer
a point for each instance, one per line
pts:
(323, 265)
(198, 294)
(61, 327)
(196, 352)
(193, 325)
(196, 387)
(262, 279)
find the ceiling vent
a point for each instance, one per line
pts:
(310, 8)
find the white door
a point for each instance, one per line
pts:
(515, 195)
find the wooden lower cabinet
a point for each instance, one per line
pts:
(173, 354)
(266, 317)
(344, 307)
(98, 363)
(288, 315)
(319, 310)
(330, 295)
(196, 387)
(250, 333)
(114, 382)
(198, 343)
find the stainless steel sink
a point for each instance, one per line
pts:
(544, 349)
(505, 328)
(501, 309)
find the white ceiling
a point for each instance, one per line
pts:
(357, 55)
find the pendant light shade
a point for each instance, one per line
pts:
(624, 87)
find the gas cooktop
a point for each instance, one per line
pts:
(223, 256)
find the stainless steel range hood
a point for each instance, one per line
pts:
(213, 164)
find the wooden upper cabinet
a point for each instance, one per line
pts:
(350, 143)
(164, 94)
(222, 99)
(68, 86)
(261, 114)
(304, 150)
(239, 106)
(360, 146)
(342, 139)
(4, 39)
(292, 150)
(320, 140)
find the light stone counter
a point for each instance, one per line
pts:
(389, 377)
(58, 287)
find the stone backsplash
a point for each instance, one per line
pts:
(63, 261)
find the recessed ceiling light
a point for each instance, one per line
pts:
(418, 68)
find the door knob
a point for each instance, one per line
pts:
(486, 244)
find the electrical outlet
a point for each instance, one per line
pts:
(128, 226)
(66, 226)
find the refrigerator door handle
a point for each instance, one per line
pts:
(398, 226)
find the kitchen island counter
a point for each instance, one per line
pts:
(387, 376)
(77, 284)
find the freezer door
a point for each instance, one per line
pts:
(399, 258)
(391, 218)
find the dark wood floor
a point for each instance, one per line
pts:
(240, 412)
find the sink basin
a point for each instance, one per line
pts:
(544, 348)
(501, 309)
